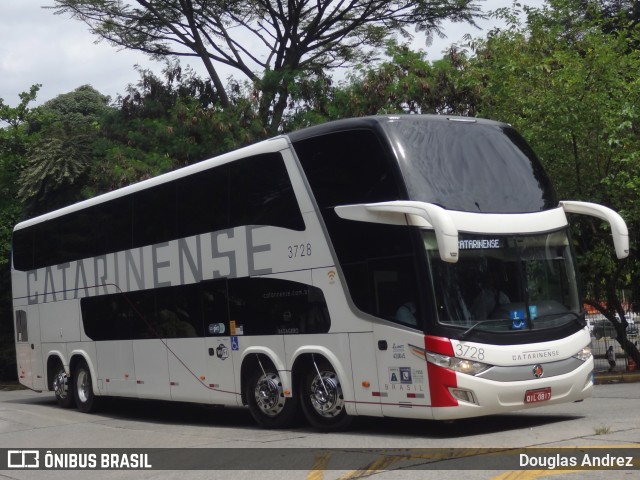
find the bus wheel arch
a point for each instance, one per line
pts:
(82, 385)
(60, 382)
(321, 392)
(263, 392)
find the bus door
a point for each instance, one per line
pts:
(402, 375)
(220, 341)
(28, 347)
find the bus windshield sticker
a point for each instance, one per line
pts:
(517, 318)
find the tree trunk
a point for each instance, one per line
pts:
(614, 305)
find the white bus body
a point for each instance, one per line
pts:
(331, 270)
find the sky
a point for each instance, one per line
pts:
(39, 47)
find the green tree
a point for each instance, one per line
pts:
(270, 43)
(15, 135)
(163, 123)
(406, 82)
(572, 89)
(65, 133)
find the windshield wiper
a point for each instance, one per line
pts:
(481, 322)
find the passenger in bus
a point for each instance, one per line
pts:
(489, 299)
(406, 314)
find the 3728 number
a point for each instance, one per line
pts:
(299, 250)
(466, 351)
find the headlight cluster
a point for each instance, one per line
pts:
(584, 354)
(457, 364)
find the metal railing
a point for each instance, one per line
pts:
(603, 335)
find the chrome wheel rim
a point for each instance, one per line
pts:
(269, 395)
(326, 395)
(83, 386)
(60, 385)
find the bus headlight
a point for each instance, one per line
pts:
(460, 365)
(584, 354)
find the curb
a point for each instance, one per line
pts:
(606, 378)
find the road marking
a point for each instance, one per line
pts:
(384, 462)
(533, 474)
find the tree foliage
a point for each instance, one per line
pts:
(64, 132)
(268, 42)
(569, 84)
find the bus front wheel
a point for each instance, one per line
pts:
(86, 400)
(266, 400)
(322, 398)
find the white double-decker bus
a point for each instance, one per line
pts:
(403, 266)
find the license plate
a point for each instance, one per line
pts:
(539, 395)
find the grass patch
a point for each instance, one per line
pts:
(602, 430)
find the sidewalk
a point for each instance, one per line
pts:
(605, 377)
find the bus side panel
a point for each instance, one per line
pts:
(152, 369)
(23, 356)
(223, 362)
(365, 375)
(29, 349)
(61, 322)
(116, 370)
(403, 376)
(188, 370)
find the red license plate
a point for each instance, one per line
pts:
(539, 395)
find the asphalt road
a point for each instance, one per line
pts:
(611, 419)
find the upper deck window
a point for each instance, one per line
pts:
(251, 191)
(470, 166)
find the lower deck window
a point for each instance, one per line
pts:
(241, 306)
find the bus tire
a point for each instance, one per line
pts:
(266, 400)
(63, 388)
(322, 398)
(86, 400)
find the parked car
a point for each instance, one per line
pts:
(603, 328)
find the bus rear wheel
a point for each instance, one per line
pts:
(266, 400)
(85, 398)
(62, 388)
(322, 398)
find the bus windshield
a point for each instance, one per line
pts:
(505, 283)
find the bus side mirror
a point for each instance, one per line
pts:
(619, 230)
(401, 212)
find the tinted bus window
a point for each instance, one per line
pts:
(154, 215)
(266, 306)
(378, 261)
(261, 193)
(203, 202)
(251, 191)
(257, 306)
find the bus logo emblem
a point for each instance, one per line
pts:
(537, 371)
